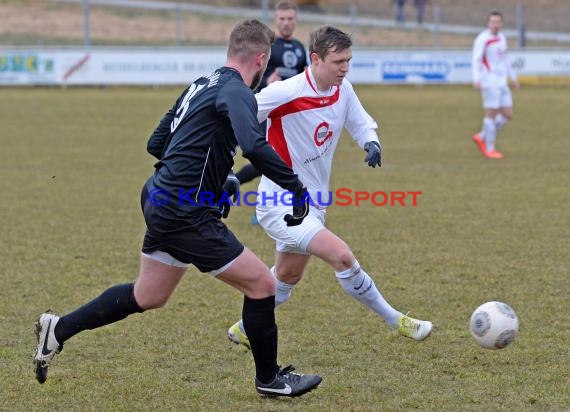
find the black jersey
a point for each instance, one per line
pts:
(197, 138)
(288, 56)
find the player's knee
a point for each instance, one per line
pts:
(263, 286)
(288, 275)
(151, 302)
(506, 114)
(268, 285)
(343, 259)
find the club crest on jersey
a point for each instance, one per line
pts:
(322, 134)
(290, 59)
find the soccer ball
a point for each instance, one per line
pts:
(494, 325)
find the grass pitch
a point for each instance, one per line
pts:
(73, 163)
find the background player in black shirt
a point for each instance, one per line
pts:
(195, 143)
(288, 58)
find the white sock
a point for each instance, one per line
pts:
(500, 122)
(358, 284)
(282, 294)
(284, 290)
(490, 133)
(482, 132)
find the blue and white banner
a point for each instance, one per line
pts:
(155, 67)
(404, 67)
(447, 67)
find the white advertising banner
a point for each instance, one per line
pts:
(180, 66)
(541, 63)
(437, 67)
(107, 67)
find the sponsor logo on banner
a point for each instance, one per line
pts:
(518, 63)
(413, 71)
(561, 63)
(25, 63)
(23, 68)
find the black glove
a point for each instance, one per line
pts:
(231, 188)
(374, 156)
(300, 202)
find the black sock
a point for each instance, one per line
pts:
(259, 323)
(114, 304)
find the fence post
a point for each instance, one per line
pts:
(86, 34)
(353, 17)
(437, 21)
(521, 27)
(178, 25)
(265, 11)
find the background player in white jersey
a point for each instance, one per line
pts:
(306, 116)
(288, 58)
(491, 70)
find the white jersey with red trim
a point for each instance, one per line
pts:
(491, 66)
(304, 126)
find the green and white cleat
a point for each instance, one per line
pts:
(238, 336)
(414, 328)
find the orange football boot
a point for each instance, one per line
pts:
(493, 154)
(479, 142)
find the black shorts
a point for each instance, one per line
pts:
(200, 238)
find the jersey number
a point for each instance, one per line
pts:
(184, 105)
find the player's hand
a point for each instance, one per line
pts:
(516, 85)
(225, 207)
(477, 85)
(374, 154)
(300, 208)
(231, 185)
(231, 188)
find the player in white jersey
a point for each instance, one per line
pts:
(491, 71)
(306, 115)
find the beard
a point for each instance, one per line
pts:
(256, 81)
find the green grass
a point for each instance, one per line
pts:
(73, 162)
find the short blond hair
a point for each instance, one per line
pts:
(250, 37)
(286, 5)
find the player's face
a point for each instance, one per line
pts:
(333, 69)
(285, 21)
(495, 24)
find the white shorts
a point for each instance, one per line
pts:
(497, 97)
(293, 239)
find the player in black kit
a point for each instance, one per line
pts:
(195, 143)
(288, 58)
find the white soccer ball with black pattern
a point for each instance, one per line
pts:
(494, 325)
